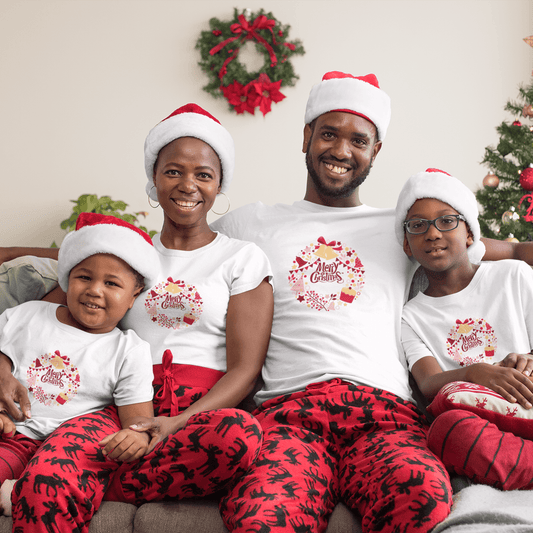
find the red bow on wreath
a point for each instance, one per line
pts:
(247, 32)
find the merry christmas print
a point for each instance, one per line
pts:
(52, 379)
(471, 341)
(174, 304)
(326, 276)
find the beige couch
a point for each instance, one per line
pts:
(31, 278)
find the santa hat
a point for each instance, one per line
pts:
(434, 183)
(104, 234)
(358, 95)
(190, 120)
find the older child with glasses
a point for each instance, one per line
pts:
(473, 324)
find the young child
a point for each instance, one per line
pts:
(74, 360)
(473, 323)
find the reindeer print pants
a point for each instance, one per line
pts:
(340, 442)
(66, 479)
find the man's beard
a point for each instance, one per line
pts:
(331, 192)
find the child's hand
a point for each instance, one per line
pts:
(125, 445)
(158, 428)
(7, 427)
(523, 362)
(511, 383)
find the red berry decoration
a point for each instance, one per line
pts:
(526, 179)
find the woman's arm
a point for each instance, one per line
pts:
(512, 384)
(248, 326)
(12, 252)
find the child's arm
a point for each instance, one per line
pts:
(128, 445)
(512, 384)
(7, 428)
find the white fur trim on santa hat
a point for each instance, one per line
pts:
(436, 184)
(350, 94)
(107, 239)
(189, 124)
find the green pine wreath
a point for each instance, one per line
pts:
(219, 49)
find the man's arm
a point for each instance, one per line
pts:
(12, 252)
(497, 250)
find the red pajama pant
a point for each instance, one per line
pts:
(340, 442)
(15, 452)
(67, 478)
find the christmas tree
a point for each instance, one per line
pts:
(507, 194)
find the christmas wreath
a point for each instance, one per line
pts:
(245, 91)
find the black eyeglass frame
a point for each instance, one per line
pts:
(433, 222)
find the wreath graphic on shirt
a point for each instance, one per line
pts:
(174, 304)
(326, 275)
(471, 341)
(51, 373)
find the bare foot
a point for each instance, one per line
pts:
(5, 496)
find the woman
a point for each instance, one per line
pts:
(208, 322)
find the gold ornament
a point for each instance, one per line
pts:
(510, 216)
(511, 238)
(491, 180)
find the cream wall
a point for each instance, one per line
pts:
(82, 82)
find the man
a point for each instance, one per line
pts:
(336, 408)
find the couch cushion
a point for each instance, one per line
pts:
(198, 516)
(112, 517)
(26, 278)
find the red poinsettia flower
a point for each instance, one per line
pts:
(266, 92)
(239, 97)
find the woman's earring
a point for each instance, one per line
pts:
(227, 209)
(149, 200)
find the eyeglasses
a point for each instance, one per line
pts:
(419, 226)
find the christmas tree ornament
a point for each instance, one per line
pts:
(517, 123)
(510, 216)
(528, 217)
(529, 40)
(526, 179)
(491, 180)
(229, 78)
(511, 238)
(527, 111)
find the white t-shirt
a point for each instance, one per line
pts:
(341, 281)
(484, 322)
(186, 310)
(70, 372)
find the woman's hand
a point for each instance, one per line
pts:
(11, 391)
(510, 382)
(126, 445)
(523, 362)
(159, 428)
